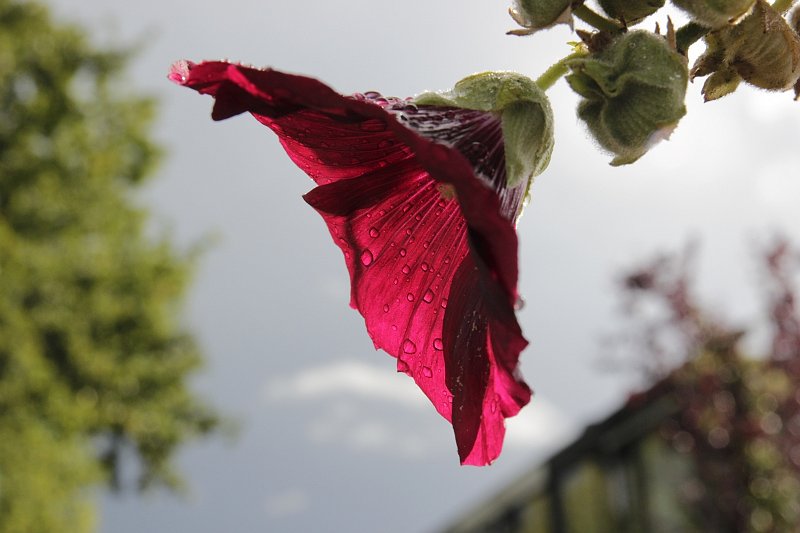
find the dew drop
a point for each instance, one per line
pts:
(444, 303)
(410, 297)
(493, 406)
(394, 328)
(427, 372)
(424, 266)
(519, 304)
(438, 344)
(406, 269)
(409, 346)
(402, 252)
(426, 244)
(366, 258)
(374, 233)
(428, 296)
(386, 308)
(409, 231)
(402, 366)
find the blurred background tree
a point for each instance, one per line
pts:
(93, 359)
(738, 412)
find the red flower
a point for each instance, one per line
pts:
(417, 198)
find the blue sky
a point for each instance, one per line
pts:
(331, 438)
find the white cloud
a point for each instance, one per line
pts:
(368, 408)
(540, 425)
(347, 378)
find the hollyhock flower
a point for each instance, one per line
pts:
(422, 197)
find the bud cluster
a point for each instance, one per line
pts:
(633, 82)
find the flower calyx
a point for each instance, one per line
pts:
(762, 49)
(633, 93)
(715, 13)
(525, 113)
(535, 15)
(631, 11)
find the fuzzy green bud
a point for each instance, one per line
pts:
(633, 93)
(630, 11)
(714, 13)
(535, 15)
(762, 49)
(526, 117)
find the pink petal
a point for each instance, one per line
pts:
(434, 277)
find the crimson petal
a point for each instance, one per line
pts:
(426, 226)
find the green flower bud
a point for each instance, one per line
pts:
(762, 49)
(633, 93)
(527, 119)
(714, 13)
(534, 15)
(630, 11)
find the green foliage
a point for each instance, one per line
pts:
(92, 358)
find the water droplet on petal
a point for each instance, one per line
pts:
(427, 372)
(402, 252)
(406, 269)
(424, 266)
(438, 344)
(366, 258)
(374, 233)
(428, 296)
(410, 297)
(493, 406)
(519, 304)
(409, 346)
(444, 303)
(402, 366)
(386, 308)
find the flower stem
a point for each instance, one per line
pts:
(782, 6)
(689, 34)
(598, 22)
(556, 71)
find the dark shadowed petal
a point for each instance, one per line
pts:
(429, 244)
